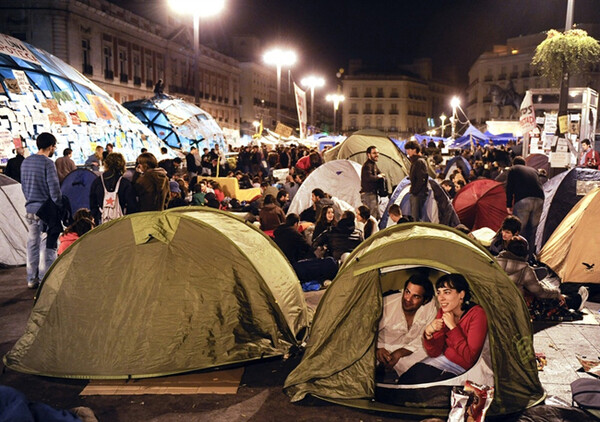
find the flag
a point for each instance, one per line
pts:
(301, 106)
(527, 118)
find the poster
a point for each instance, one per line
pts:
(14, 47)
(22, 80)
(102, 111)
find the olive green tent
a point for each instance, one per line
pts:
(159, 293)
(339, 360)
(392, 162)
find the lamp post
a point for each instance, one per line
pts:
(443, 119)
(199, 9)
(313, 82)
(256, 125)
(336, 99)
(279, 58)
(455, 102)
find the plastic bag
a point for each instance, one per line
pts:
(470, 403)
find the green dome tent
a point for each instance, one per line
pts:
(160, 293)
(339, 361)
(392, 162)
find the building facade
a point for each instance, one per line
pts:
(400, 103)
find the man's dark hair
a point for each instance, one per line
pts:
(281, 193)
(67, 151)
(269, 199)
(511, 223)
(291, 219)
(518, 246)
(412, 145)
(163, 150)
(394, 210)
(143, 150)
(177, 160)
(419, 279)
(371, 148)
(586, 141)
(45, 140)
(518, 160)
(318, 193)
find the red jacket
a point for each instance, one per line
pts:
(591, 159)
(463, 344)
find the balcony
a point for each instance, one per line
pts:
(394, 95)
(393, 111)
(367, 111)
(109, 74)
(213, 98)
(123, 78)
(514, 75)
(88, 69)
(379, 95)
(502, 77)
(149, 83)
(353, 111)
(368, 95)
(354, 94)
(379, 111)
(137, 81)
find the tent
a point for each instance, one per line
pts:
(573, 250)
(339, 360)
(160, 293)
(44, 94)
(13, 226)
(500, 139)
(561, 193)
(481, 203)
(77, 187)
(392, 162)
(436, 209)
(538, 161)
(457, 161)
(178, 123)
(339, 178)
(471, 135)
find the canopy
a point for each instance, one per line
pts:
(44, 94)
(158, 293)
(13, 226)
(339, 361)
(481, 203)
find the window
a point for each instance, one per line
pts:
(368, 92)
(123, 64)
(136, 65)
(379, 92)
(354, 92)
(107, 53)
(149, 71)
(85, 56)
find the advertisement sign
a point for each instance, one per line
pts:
(301, 106)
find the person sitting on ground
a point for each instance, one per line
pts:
(319, 199)
(396, 216)
(343, 237)
(455, 338)
(542, 298)
(217, 190)
(270, 215)
(325, 221)
(511, 226)
(369, 224)
(211, 200)
(405, 315)
(80, 226)
(198, 198)
(283, 199)
(175, 199)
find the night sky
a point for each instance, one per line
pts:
(327, 33)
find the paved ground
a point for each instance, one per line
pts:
(260, 397)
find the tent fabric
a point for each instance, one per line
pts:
(77, 186)
(538, 161)
(472, 133)
(481, 203)
(561, 193)
(436, 209)
(578, 235)
(339, 360)
(339, 178)
(13, 226)
(457, 162)
(60, 100)
(392, 162)
(159, 293)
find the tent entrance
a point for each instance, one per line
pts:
(393, 277)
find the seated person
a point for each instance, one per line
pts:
(81, 225)
(198, 198)
(271, 215)
(368, 222)
(325, 221)
(511, 226)
(454, 340)
(341, 238)
(396, 216)
(405, 315)
(542, 299)
(175, 199)
(319, 199)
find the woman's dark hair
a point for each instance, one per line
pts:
(269, 199)
(364, 212)
(512, 224)
(115, 162)
(459, 283)
(82, 213)
(518, 246)
(322, 218)
(211, 200)
(81, 226)
(148, 160)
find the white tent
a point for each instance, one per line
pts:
(339, 178)
(13, 227)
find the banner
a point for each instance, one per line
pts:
(301, 106)
(527, 119)
(14, 47)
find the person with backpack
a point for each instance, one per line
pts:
(112, 195)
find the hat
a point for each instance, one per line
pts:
(174, 186)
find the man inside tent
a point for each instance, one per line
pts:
(370, 182)
(405, 315)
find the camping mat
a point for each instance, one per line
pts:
(589, 318)
(216, 382)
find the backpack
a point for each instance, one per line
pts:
(111, 209)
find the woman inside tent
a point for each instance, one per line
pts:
(454, 340)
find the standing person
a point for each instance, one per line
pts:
(39, 182)
(151, 183)
(370, 179)
(94, 161)
(418, 179)
(590, 158)
(525, 198)
(190, 163)
(108, 150)
(110, 180)
(64, 164)
(13, 166)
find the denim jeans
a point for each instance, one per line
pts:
(529, 211)
(371, 201)
(416, 205)
(39, 258)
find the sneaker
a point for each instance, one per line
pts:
(33, 284)
(327, 283)
(584, 293)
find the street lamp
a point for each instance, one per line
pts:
(199, 9)
(443, 119)
(313, 82)
(256, 125)
(455, 102)
(279, 58)
(336, 99)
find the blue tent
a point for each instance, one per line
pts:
(457, 162)
(472, 133)
(77, 186)
(501, 139)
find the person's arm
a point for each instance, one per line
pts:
(130, 204)
(509, 192)
(368, 173)
(537, 288)
(434, 338)
(468, 343)
(53, 183)
(94, 202)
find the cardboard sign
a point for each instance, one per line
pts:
(283, 130)
(563, 124)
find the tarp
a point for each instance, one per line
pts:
(13, 226)
(339, 360)
(538, 161)
(481, 203)
(573, 250)
(561, 193)
(158, 293)
(339, 178)
(178, 123)
(392, 162)
(436, 209)
(77, 186)
(50, 96)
